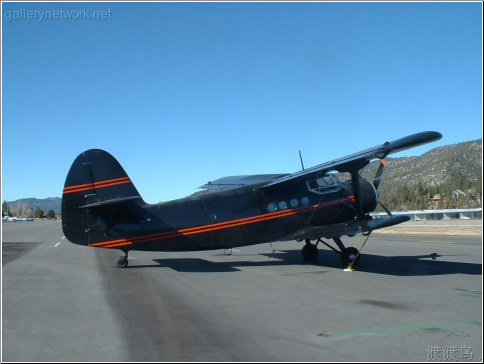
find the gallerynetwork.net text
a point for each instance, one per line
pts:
(41, 15)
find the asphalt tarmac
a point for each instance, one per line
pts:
(413, 298)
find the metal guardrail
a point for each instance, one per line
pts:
(447, 214)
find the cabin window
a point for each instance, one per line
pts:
(282, 205)
(329, 181)
(271, 207)
(313, 184)
(320, 182)
(305, 201)
(323, 184)
(294, 203)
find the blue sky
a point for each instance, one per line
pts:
(185, 93)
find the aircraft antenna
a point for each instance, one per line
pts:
(300, 157)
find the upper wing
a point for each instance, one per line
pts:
(356, 161)
(228, 183)
(349, 163)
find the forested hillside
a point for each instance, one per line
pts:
(444, 177)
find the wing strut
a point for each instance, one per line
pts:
(355, 182)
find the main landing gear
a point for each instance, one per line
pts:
(123, 261)
(348, 255)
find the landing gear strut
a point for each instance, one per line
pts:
(348, 255)
(123, 261)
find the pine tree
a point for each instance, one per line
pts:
(50, 214)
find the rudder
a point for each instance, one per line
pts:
(97, 194)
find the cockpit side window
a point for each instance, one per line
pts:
(324, 184)
(329, 181)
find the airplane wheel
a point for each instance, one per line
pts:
(122, 262)
(350, 255)
(309, 253)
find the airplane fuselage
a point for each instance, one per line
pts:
(238, 217)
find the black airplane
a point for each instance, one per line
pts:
(102, 208)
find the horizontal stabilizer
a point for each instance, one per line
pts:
(113, 201)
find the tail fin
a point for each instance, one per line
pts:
(98, 194)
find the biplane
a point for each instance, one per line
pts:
(101, 207)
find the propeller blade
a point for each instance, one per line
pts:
(379, 172)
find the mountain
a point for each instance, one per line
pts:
(21, 207)
(432, 179)
(429, 179)
(436, 167)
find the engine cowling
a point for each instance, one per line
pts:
(368, 196)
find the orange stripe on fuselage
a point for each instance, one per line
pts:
(217, 226)
(96, 185)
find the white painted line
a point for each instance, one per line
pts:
(63, 238)
(57, 244)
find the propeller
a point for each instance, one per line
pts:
(379, 172)
(376, 183)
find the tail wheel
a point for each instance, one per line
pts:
(350, 256)
(122, 262)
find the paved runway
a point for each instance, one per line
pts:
(413, 298)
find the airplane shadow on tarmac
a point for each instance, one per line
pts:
(418, 265)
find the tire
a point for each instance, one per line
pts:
(350, 256)
(122, 262)
(309, 253)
